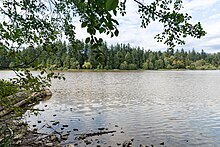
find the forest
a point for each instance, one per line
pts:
(63, 56)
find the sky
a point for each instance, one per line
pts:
(205, 11)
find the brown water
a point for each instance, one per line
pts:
(179, 108)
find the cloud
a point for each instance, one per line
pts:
(207, 12)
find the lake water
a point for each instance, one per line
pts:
(177, 108)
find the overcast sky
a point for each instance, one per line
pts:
(205, 11)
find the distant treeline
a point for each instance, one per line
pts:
(63, 56)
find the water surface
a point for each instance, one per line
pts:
(179, 108)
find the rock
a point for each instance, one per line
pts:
(100, 129)
(47, 92)
(68, 131)
(34, 125)
(118, 144)
(53, 137)
(18, 142)
(55, 123)
(64, 136)
(116, 125)
(162, 143)
(87, 142)
(122, 132)
(19, 136)
(65, 126)
(38, 142)
(98, 145)
(45, 106)
(127, 143)
(54, 115)
(49, 144)
(38, 121)
(132, 139)
(75, 129)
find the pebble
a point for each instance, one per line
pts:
(38, 121)
(100, 129)
(65, 125)
(53, 137)
(87, 142)
(75, 129)
(162, 143)
(49, 144)
(55, 123)
(116, 125)
(34, 125)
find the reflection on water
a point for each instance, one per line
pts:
(179, 108)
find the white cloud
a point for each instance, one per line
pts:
(205, 11)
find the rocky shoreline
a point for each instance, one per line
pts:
(21, 134)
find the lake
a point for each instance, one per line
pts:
(177, 108)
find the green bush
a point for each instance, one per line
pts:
(7, 88)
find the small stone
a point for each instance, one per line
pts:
(34, 125)
(49, 144)
(87, 142)
(64, 136)
(162, 143)
(53, 137)
(54, 115)
(122, 132)
(132, 139)
(38, 121)
(112, 135)
(45, 106)
(98, 145)
(92, 118)
(37, 142)
(61, 128)
(116, 125)
(55, 123)
(68, 131)
(127, 143)
(100, 129)
(75, 129)
(118, 144)
(65, 126)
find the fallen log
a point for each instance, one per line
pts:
(41, 94)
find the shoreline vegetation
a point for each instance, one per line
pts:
(13, 130)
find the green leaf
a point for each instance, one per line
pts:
(84, 24)
(87, 40)
(116, 32)
(111, 4)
